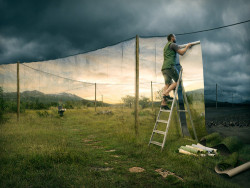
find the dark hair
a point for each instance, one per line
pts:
(170, 36)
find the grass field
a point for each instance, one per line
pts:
(83, 149)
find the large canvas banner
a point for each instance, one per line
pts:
(111, 70)
(193, 81)
(109, 73)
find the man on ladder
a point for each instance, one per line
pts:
(168, 68)
(169, 72)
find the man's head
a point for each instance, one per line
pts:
(172, 38)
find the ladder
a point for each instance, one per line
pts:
(175, 102)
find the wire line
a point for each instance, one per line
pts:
(72, 79)
(55, 74)
(200, 31)
(213, 28)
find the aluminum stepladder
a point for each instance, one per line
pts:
(175, 102)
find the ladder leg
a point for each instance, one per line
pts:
(178, 114)
(175, 102)
(172, 107)
(169, 121)
(189, 113)
(156, 123)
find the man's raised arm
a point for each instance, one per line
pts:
(183, 51)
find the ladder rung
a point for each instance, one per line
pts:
(156, 143)
(182, 110)
(159, 132)
(165, 110)
(162, 121)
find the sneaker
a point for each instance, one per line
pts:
(165, 107)
(167, 97)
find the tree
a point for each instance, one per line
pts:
(144, 102)
(158, 94)
(190, 97)
(128, 100)
(69, 105)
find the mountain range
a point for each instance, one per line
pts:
(35, 95)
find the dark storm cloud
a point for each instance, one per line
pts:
(61, 28)
(64, 27)
(38, 30)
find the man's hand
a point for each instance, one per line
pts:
(189, 45)
(183, 51)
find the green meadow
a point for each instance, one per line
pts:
(86, 149)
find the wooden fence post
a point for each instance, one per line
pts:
(216, 96)
(152, 97)
(137, 87)
(18, 93)
(95, 97)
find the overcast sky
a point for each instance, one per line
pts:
(42, 30)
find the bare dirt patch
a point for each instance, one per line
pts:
(87, 140)
(102, 169)
(165, 173)
(116, 156)
(136, 169)
(110, 151)
(97, 147)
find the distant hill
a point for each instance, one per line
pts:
(32, 96)
(195, 95)
(197, 91)
(199, 94)
(212, 103)
(38, 100)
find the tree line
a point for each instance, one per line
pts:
(129, 101)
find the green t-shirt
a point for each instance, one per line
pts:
(169, 54)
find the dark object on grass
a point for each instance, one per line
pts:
(61, 110)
